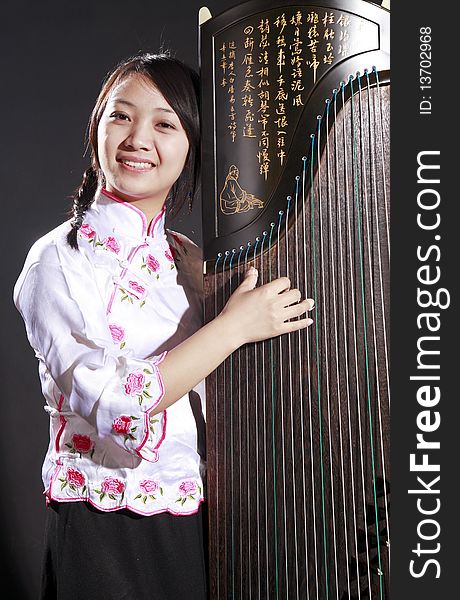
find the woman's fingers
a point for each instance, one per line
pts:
(296, 310)
(288, 305)
(279, 285)
(294, 297)
(290, 297)
(249, 282)
(291, 326)
(282, 287)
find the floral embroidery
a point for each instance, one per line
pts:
(111, 487)
(138, 290)
(186, 490)
(125, 295)
(111, 243)
(135, 385)
(124, 425)
(87, 231)
(82, 444)
(135, 290)
(74, 479)
(118, 334)
(151, 264)
(148, 487)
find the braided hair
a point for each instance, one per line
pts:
(179, 84)
(82, 200)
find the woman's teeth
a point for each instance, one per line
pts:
(137, 165)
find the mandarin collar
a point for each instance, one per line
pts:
(112, 214)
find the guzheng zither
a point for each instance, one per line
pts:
(295, 109)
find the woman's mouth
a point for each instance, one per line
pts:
(133, 165)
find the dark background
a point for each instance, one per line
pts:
(53, 58)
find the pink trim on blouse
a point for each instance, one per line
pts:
(147, 229)
(63, 422)
(154, 222)
(134, 509)
(158, 400)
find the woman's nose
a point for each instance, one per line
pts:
(141, 137)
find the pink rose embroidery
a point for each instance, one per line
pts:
(138, 290)
(118, 334)
(187, 487)
(81, 443)
(152, 263)
(149, 487)
(134, 383)
(134, 290)
(87, 231)
(111, 485)
(110, 243)
(186, 491)
(75, 478)
(122, 424)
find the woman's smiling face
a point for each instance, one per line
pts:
(142, 146)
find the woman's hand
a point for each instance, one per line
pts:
(253, 314)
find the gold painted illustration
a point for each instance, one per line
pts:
(233, 199)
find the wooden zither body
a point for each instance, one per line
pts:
(296, 182)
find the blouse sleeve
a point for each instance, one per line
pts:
(66, 325)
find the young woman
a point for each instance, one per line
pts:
(111, 304)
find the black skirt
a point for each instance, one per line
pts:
(119, 555)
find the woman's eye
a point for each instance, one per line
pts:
(166, 125)
(118, 115)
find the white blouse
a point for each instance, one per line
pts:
(101, 320)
